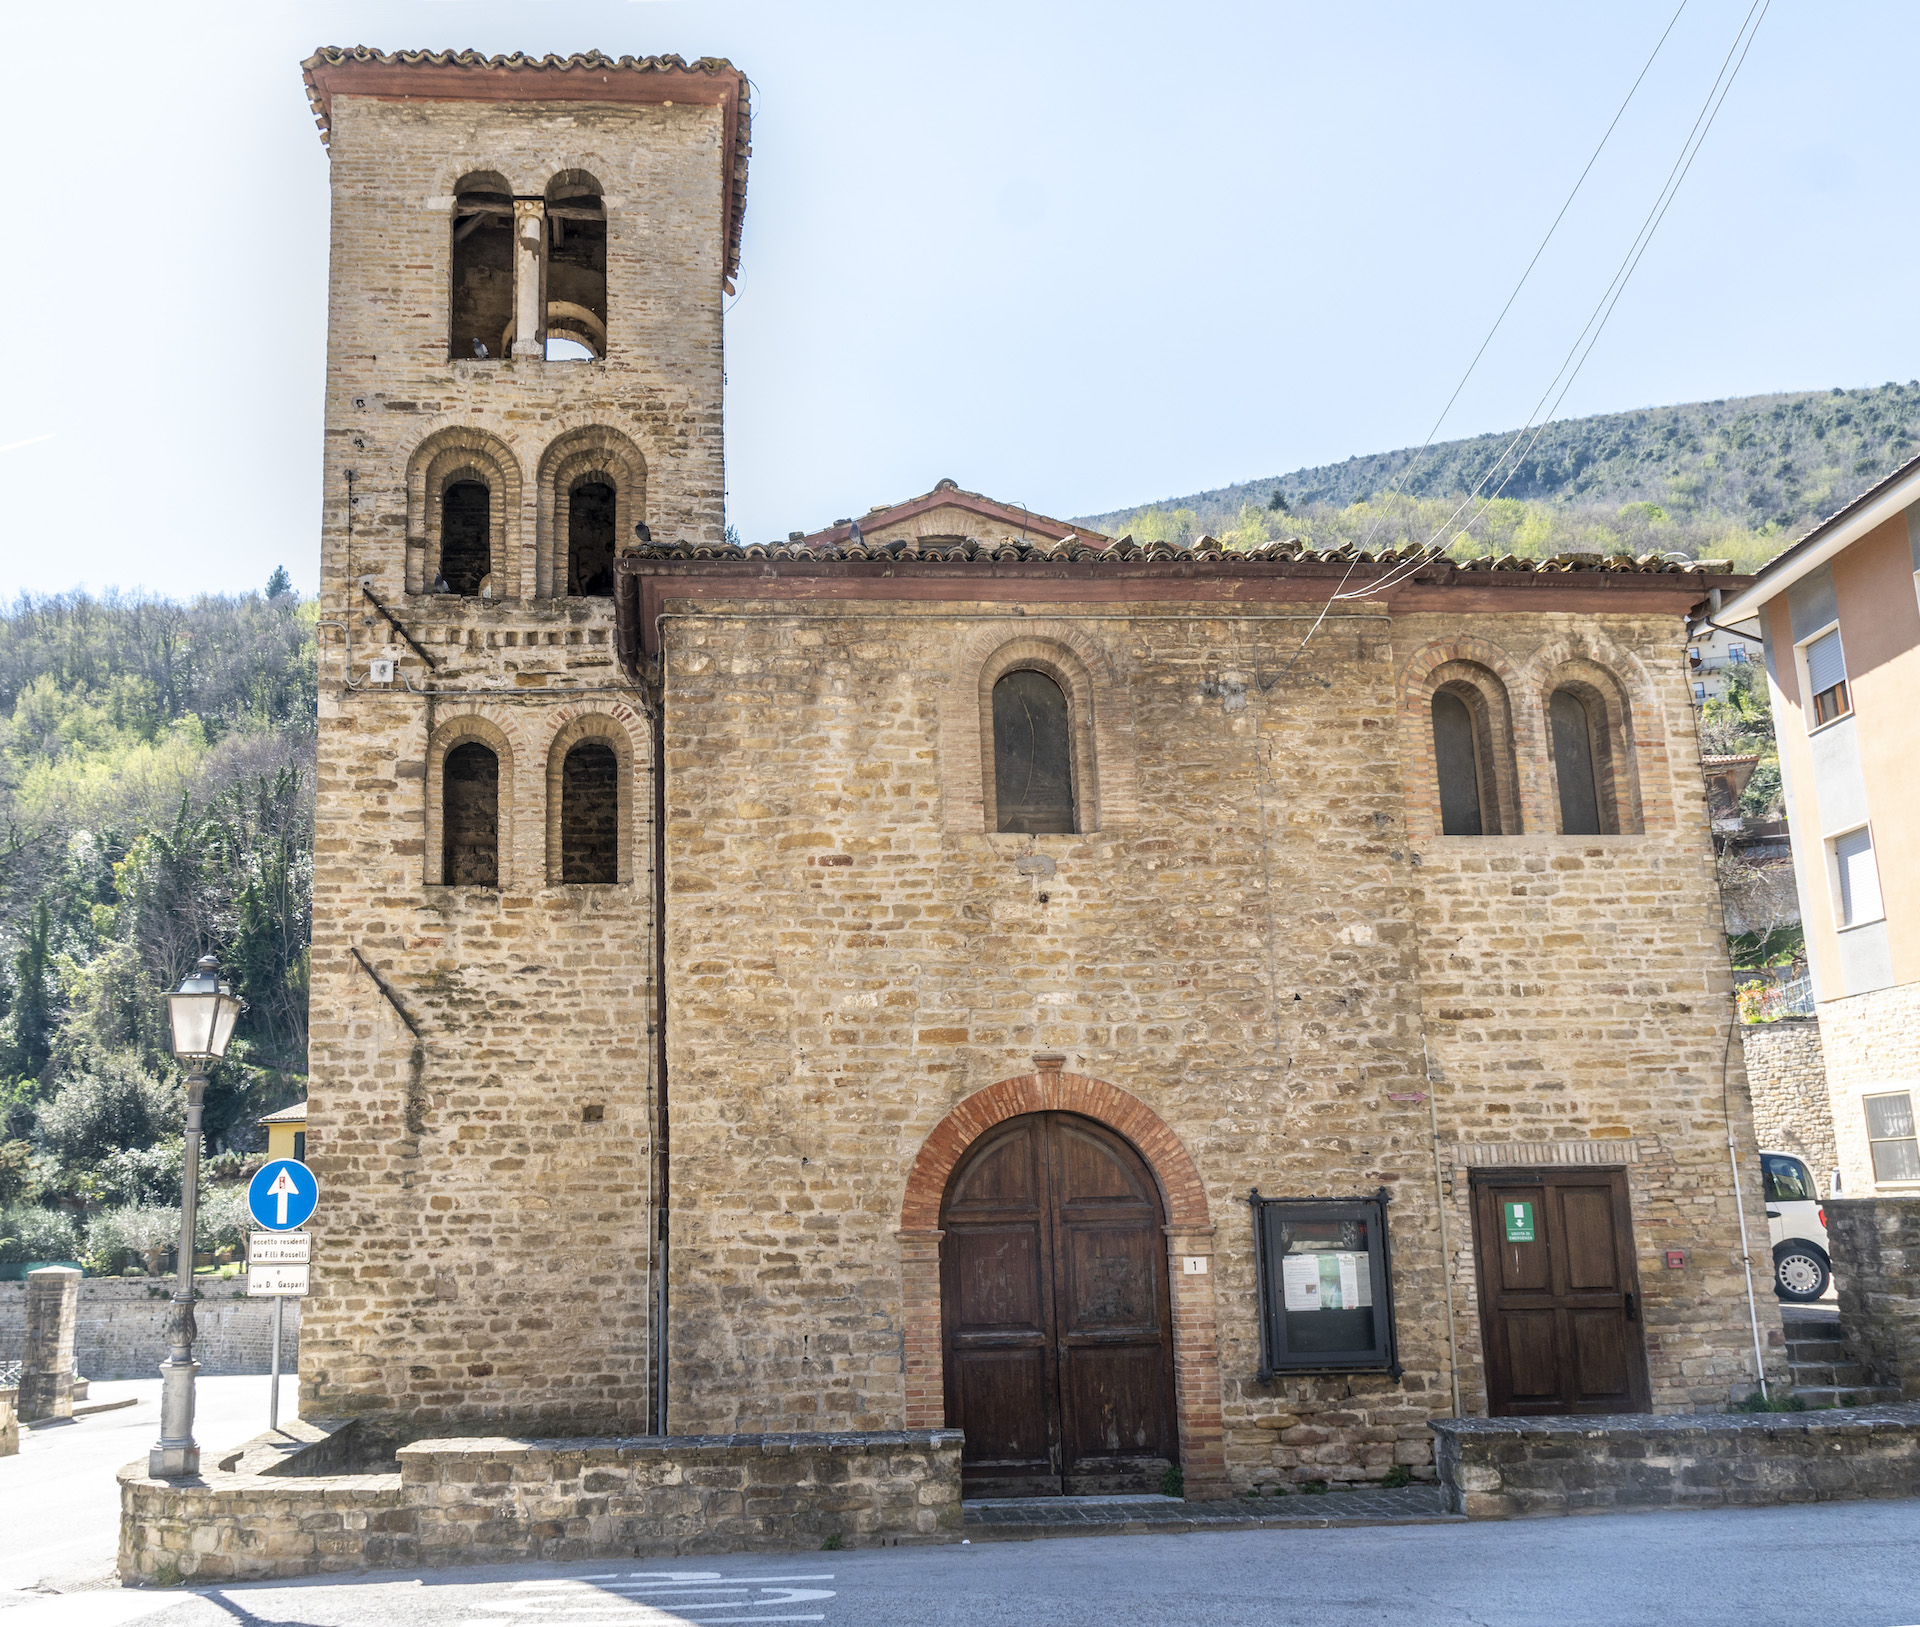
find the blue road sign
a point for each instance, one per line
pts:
(282, 1195)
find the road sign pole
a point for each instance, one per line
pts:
(273, 1395)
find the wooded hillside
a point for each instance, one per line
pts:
(1737, 478)
(156, 803)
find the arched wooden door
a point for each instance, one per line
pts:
(1055, 1312)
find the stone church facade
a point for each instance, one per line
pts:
(861, 982)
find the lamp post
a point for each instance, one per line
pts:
(201, 1014)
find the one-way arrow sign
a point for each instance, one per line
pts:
(283, 1195)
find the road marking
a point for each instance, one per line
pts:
(661, 1599)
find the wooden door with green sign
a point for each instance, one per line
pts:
(1559, 1294)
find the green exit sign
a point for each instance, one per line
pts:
(1519, 1219)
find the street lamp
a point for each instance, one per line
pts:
(201, 1014)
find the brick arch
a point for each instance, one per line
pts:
(1189, 1232)
(570, 457)
(463, 452)
(616, 725)
(1051, 1091)
(498, 729)
(1483, 670)
(1613, 685)
(1097, 694)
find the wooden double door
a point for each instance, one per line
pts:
(1560, 1313)
(1055, 1312)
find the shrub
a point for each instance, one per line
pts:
(1756, 1402)
(1174, 1482)
(118, 1105)
(1398, 1475)
(37, 1234)
(134, 1229)
(221, 1218)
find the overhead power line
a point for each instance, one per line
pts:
(1589, 335)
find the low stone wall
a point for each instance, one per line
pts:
(9, 1425)
(1505, 1468)
(1876, 1267)
(262, 1512)
(1787, 1078)
(120, 1330)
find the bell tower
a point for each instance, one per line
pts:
(524, 367)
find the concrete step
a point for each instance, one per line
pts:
(1847, 1395)
(1813, 1350)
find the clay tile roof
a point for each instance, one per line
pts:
(1731, 760)
(1085, 547)
(950, 494)
(296, 1114)
(586, 76)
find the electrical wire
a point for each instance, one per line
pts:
(1619, 113)
(1589, 335)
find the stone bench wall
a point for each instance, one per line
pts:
(1504, 1468)
(260, 1513)
(121, 1328)
(1876, 1268)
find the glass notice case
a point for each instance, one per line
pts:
(1326, 1285)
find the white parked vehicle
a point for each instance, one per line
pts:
(1797, 1227)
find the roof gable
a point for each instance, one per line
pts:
(951, 512)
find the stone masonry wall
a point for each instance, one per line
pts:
(121, 1327)
(483, 1248)
(1872, 1045)
(262, 1512)
(1876, 1267)
(1252, 946)
(1507, 1468)
(1787, 1076)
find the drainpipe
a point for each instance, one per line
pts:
(659, 710)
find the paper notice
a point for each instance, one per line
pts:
(1356, 1282)
(1300, 1278)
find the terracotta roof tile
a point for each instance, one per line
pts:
(1127, 551)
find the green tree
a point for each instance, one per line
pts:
(27, 1044)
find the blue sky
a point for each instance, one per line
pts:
(1078, 256)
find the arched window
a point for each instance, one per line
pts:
(466, 536)
(1456, 757)
(576, 268)
(590, 814)
(1032, 755)
(590, 538)
(470, 825)
(1576, 763)
(481, 296)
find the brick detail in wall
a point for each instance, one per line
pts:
(1196, 1349)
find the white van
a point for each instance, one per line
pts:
(1797, 1227)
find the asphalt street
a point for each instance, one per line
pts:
(59, 1502)
(1839, 1564)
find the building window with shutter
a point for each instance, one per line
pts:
(1032, 755)
(1890, 1133)
(1856, 878)
(1827, 678)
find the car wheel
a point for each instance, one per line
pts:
(1799, 1272)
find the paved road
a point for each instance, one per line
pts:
(59, 1503)
(1841, 1565)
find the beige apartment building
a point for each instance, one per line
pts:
(1150, 1008)
(1840, 615)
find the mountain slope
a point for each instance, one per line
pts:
(1767, 463)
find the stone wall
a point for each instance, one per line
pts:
(120, 1330)
(1503, 1468)
(1876, 1268)
(1872, 1045)
(487, 1172)
(259, 1513)
(1787, 1077)
(1252, 946)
